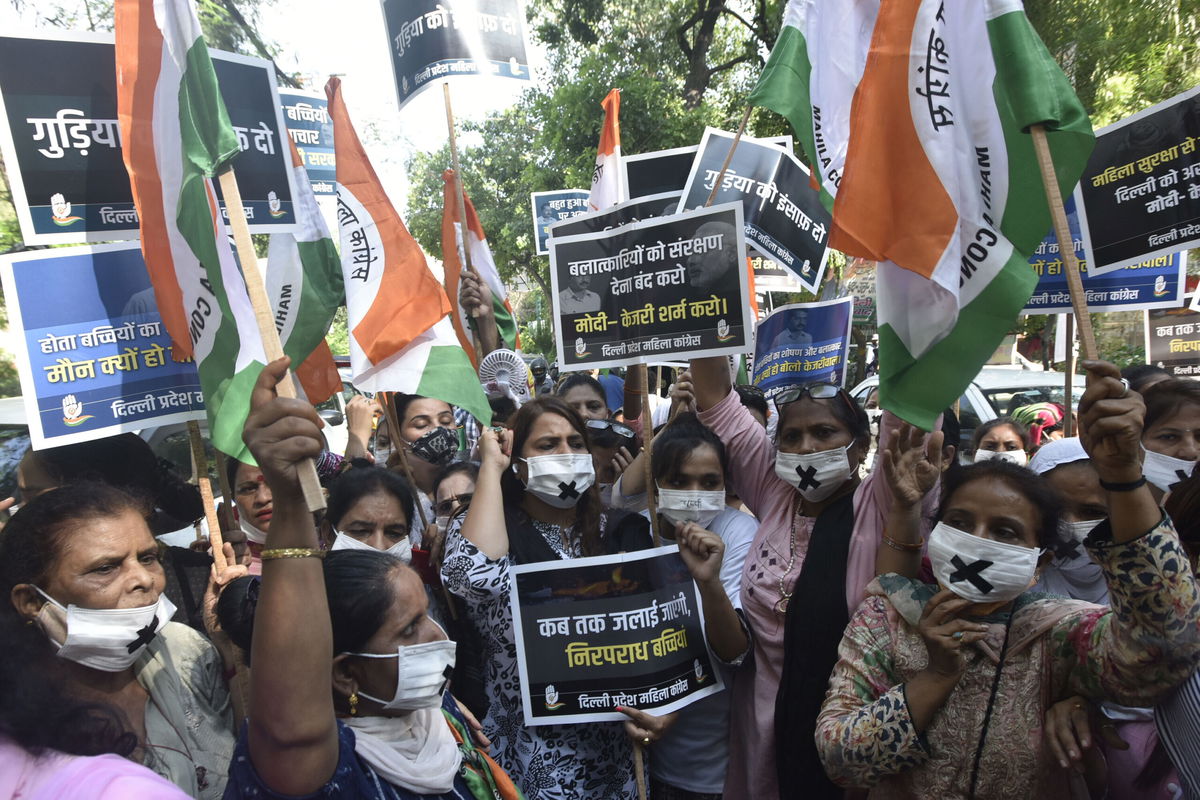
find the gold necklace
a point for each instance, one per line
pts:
(785, 595)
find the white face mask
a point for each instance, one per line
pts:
(402, 549)
(816, 475)
(874, 415)
(559, 479)
(978, 569)
(423, 673)
(107, 639)
(253, 534)
(1165, 471)
(1018, 457)
(443, 523)
(700, 507)
(1071, 536)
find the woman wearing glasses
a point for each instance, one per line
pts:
(614, 444)
(805, 491)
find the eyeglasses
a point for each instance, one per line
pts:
(443, 508)
(603, 425)
(817, 391)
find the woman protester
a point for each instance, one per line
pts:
(80, 567)
(1044, 421)
(813, 555)
(361, 710)
(613, 443)
(1171, 438)
(54, 746)
(538, 478)
(429, 436)
(370, 508)
(1003, 438)
(938, 688)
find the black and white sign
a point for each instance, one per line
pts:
(660, 289)
(597, 633)
(434, 39)
(667, 170)
(785, 220)
(551, 208)
(307, 118)
(659, 205)
(62, 143)
(1141, 188)
(1173, 341)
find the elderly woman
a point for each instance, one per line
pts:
(370, 507)
(941, 691)
(79, 564)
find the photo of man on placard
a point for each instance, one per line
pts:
(713, 271)
(577, 298)
(793, 333)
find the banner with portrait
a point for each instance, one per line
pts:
(62, 143)
(95, 358)
(551, 208)
(667, 288)
(803, 343)
(597, 633)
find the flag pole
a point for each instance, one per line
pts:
(737, 137)
(1069, 384)
(1066, 243)
(639, 770)
(310, 484)
(200, 464)
(648, 438)
(458, 191)
(389, 410)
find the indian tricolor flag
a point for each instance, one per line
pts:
(607, 187)
(933, 173)
(177, 136)
(401, 339)
(304, 285)
(481, 261)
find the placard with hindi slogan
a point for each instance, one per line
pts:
(667, 288)
(306, 115)
(658, 205)
(803, 343)
(431, 40)
(1173, 341)
(94, 358)
(596, 633)
(551, 208)
(785, 220)
(62, 143)
(646, 174)
(1141, 188)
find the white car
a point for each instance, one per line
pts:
(996, 392)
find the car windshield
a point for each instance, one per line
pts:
(1009, 399)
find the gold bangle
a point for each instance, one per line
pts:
(904, 547)
(291, 552)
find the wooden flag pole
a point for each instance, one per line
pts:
(460, 193)
(1068, 422)
(1066, 243)
(648, 443)
(310, 484)
(639, 770)
(226, 520)
(737, 137)
(389, 410)
(200, 464)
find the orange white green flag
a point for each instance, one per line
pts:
(481, 261)
(608, 188)
(401, 339)
(177, 136)
(933, 172)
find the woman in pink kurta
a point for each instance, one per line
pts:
(787, 518)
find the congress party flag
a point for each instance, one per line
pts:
(304, 284)
(481, 261)
(400, 337)
(177, 136)
(608, 188)
(933, 172)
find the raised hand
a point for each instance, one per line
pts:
(702, 552)
(1110, 424)
(683, 394)
(281, 432)
(495, 448)
(912, 464)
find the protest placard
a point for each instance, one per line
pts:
(664, 288)
(95, 358)
(551, 208)
(659, 205)
(431, 40)
(661, 171)
(597, 633)
(803, 343)
(1154, 283)
(785, 220)
(306, 115)
(1141, 189)
(1173, 341)
(62, 144)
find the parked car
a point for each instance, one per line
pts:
(995, 392)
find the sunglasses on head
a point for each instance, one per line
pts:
(602, 426)
(817, 391)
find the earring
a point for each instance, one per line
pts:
(353, 703)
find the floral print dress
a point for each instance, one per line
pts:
(1132, 653)
(547, 762)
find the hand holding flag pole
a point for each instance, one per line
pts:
(200, 464)
(1066, 247)
(310, 484)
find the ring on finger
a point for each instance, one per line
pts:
(957, 636)
(1125, 383)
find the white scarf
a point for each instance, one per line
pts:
(253, 534)
(416, 752)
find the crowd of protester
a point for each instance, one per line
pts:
(892, 617)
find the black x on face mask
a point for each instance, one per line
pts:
(978, 569)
